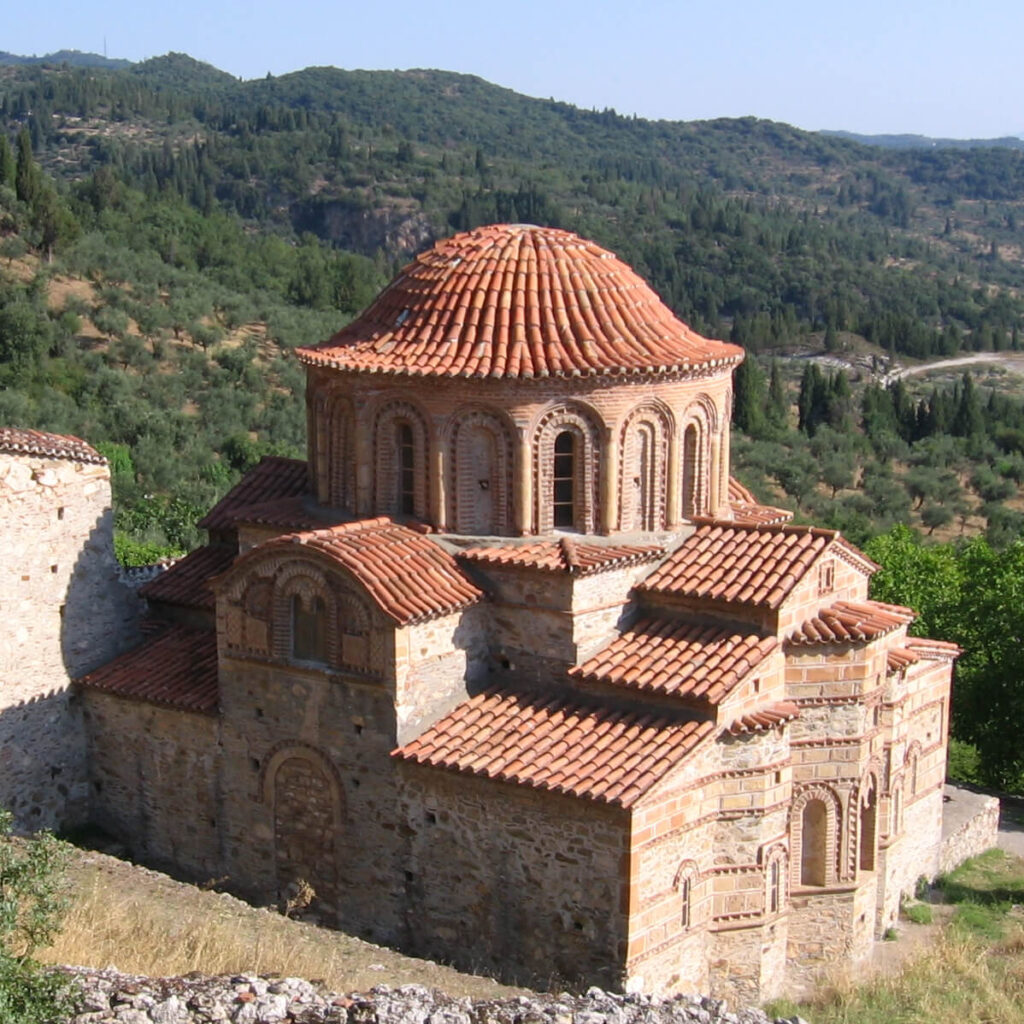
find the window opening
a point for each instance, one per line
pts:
(868, 814)
(774, 886)
(309, 630)
(564, 478)
(812, 843)
(406, 470)
(685, 889)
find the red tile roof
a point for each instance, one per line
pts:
(753, 565)
(677, 659)
(15, 441)
(186, 582)
(274, 477)
(557, 744)
(565, 555)
(758, 515)
(925, 647)
(847, 621)
(897, 658)
(765, 718)
(177, 668)
(515, 300)
(409, 576)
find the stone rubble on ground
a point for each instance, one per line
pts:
(109, 997)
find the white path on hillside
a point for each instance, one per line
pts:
(1013, 361)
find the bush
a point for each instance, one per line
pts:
(32, 903)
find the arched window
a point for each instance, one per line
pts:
(813, 843)
(775, 880)
(868, 822)
(685, 885)
(309, 629)
(564, 481)
(406, 476)
(691, 472)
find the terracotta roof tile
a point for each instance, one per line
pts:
(764, 718)
(15, 441)
(754, 565)
(273, 477)
(565, 555)
(515, 300)
(177, 668)
(677, 659)
(924, 647)
(556, 744)
(288, 513)
(758, 515)
(899, 658)
(852, 620)
(740, 495)
(186, 582)
(409, 576)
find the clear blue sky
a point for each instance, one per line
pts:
(931, 67)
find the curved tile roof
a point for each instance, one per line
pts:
(16, 441)
(557, 744)
(518, 301)
(565, 555)
(847, 621)
(408, 576)
(187, 581)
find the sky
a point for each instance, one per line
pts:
(927, 67)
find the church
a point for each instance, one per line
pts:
(512, 673)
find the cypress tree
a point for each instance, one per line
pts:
(26, 175)
(8, 167)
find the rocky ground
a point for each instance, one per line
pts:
(109, 997)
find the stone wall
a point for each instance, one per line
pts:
(63, 612)
(519, 882)
(153, 781)
(970, 826)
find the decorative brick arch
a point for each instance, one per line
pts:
(912, 768)
(303, 580)
(687, 878)
(897, 799)
(774, 860)
(480, 446)
(864, 819)
(824, 844)
(303, 790)
(584, 426)
(390, 419)
(643, 467)
(341, 454)
(699, 424)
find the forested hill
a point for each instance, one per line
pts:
(746, 227)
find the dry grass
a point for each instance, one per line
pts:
(145, 923)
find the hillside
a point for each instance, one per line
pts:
(746, 227)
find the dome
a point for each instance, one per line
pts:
(518, 301)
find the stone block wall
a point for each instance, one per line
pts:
(63, 612)
(970, 826)
(520, 882)
(153, 781)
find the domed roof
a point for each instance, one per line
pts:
(518, 301)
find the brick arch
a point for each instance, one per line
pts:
(643, 467)
(864, 818)
(480, 454)
(825, 845)
(341, 458)
(912, 767)
(685, 882)
(897, 799)
(306, 581)
(303, 790)
(584, 425)
(389, 419)
(698, 424)
(774, 861)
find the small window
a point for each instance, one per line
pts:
(406, 469)
(827, 577)
(685, 901)
(775, 886)
(309, 630)
(564, 479)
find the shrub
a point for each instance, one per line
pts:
(32, 903)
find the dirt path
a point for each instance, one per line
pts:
(1012, 361)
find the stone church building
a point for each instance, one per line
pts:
(513, 673)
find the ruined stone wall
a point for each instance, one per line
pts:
(307, 792)
(514, 881)
(153, 781)
(970, 826)
(63, 612)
